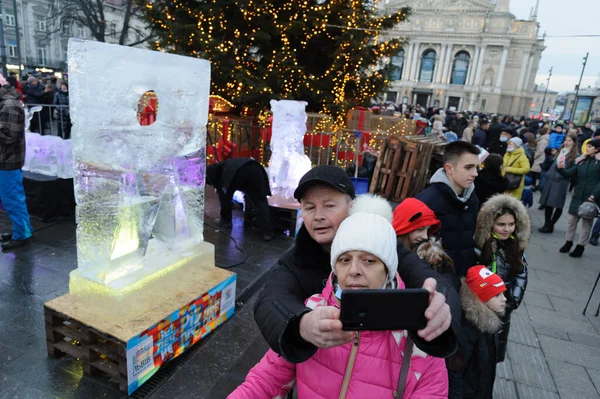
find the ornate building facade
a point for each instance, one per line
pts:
(466, 54)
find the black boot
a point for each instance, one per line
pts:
(557, 214)
(14, 244)
(567, 247)
(577, 252)
(594, 240)
(6, 236)
(548, 227)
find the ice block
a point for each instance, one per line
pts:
(288, 162)
(139, 189)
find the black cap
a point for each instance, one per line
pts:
(325, 175)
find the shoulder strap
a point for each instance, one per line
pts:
(513, 162)
(404, 368)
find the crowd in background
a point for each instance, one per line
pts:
(49, 92)
(536, 154)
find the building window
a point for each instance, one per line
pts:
(9, 20)
(483, 104)
(40, 24)
(12, 48)
(436, 103)
(427, 66)
(460, 68)
(397, 65)
(80, 32)
(392, 96)
(112, 27)
(42, 55)
(66, 29)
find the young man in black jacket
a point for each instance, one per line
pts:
(452, 197)
(292, 329)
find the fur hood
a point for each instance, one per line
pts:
(476, 312)
(488, 212)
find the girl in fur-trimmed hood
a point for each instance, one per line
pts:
(501, 237)
(472, 369)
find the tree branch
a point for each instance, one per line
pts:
(128, 9)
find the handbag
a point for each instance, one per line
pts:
(514, 180)
(588, 210)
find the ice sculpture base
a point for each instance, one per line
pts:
(122, 300)
(131, 351)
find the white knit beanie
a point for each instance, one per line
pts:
(369, 229)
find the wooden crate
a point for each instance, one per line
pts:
(100, 354)
(131, 351)
(402, 168)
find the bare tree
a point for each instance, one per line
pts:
(91, 14)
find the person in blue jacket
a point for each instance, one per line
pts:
(556, 138)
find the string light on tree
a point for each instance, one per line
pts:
(324, 52)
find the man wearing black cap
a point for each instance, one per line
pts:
(295, 331)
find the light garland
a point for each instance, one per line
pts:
(326, 54)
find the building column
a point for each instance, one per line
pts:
(528, 73)
(407, 62)
(479, 66)
(415, 62)
(438, 68)
(472, 66)
(448, 65)
(502, 66)
(524, 66)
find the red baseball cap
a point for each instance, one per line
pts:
(484, 283)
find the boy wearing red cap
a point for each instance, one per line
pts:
(472, 369)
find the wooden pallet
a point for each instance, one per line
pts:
(100, 353)
(402, 168)
(101, 342)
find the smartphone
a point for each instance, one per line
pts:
(376, 310)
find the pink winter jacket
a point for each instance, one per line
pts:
(374, 375)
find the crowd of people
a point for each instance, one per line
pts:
(49, 92)
(470, 257)
(528, 155)
(463, 239)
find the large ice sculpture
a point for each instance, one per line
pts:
(288, 161)
(139, 189)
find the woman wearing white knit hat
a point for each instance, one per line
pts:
(363, 256)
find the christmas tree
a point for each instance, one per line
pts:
(329, 53)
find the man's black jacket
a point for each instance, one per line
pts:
(459, 220)
(302, 272)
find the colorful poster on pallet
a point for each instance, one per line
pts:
(169, 338)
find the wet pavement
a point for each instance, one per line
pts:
(32, 275)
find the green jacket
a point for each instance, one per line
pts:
(588, 182)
